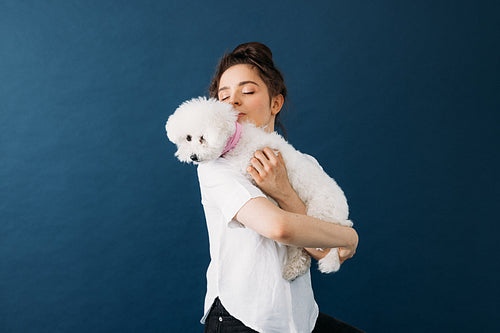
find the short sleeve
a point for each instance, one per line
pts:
(226, 189)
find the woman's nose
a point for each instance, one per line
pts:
(234, 101)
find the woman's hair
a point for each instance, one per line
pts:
(260, 57)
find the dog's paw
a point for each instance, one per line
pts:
(289, 274)
(298, 263)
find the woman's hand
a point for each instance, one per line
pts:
(346, 253)
(269, 172)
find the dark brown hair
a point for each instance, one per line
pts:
(260, 57)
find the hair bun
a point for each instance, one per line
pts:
(254, 50)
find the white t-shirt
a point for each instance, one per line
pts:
(245, 267)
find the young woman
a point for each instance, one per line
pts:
(247, 232)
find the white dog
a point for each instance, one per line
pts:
(205, 130)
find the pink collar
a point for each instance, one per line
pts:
(233, 141)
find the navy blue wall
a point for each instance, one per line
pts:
(102, 229)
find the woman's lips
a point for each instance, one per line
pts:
(240, 115)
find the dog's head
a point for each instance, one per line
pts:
(200, 128)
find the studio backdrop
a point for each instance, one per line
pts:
(102, 228)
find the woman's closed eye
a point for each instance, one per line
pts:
(223, 98)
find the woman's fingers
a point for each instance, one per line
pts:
(345, 254)
(270, 174)
(255, 174)
(267, 157)
(262, 162)
(259, 154)
(280, 158)
(258, 165)
(271, 156)
(341, 259)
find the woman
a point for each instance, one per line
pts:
(248, 233)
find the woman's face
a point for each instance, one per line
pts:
(241, 86)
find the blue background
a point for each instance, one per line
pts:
(102, 229)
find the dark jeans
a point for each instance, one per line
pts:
(220, 321)
(326, 323)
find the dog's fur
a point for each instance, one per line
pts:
(201, 127)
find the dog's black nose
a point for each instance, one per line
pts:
(193, 157)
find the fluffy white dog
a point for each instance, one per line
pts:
(206, 129)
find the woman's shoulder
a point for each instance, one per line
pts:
(217, 171)
(215, 167)
(224, 187)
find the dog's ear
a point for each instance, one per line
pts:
(222, 119)
(225, 113)
(170, 127)
(181, 120)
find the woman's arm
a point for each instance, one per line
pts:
(288, 228)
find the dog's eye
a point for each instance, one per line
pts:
(202, 139)
(188, 137)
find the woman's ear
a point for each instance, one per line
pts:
(276, 104)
